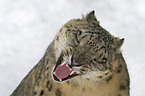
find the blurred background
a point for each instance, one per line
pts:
(28, 26)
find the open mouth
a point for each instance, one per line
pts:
(61, 71)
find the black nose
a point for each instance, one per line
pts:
(74, 62)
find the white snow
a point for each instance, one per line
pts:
(28, 26)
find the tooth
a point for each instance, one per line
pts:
(72, 72)
(54, 73)
(60, 79)
(63, 63)
(67, 65)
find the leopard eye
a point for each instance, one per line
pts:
(95, 59)
(79, 32)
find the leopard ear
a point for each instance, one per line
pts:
(91, 18)
(118, 43)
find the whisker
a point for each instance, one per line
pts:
(63, 44)
(97, 84)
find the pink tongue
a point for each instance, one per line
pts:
(62, 71)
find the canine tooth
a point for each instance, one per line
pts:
(63, 63)
(67, 65)
(72, 72)
(54, 73)
(60, 79)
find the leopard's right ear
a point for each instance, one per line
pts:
(91, 18)
(117, 43)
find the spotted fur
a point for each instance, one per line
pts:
(88, 49)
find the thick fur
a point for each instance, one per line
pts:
(106, 81)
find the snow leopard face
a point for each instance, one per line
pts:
(85, 49)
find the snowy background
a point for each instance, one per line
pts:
(28, 26)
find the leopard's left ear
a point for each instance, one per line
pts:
(91, 18)
(121, 42)
(117, 43)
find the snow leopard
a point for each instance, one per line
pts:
(84, 59)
